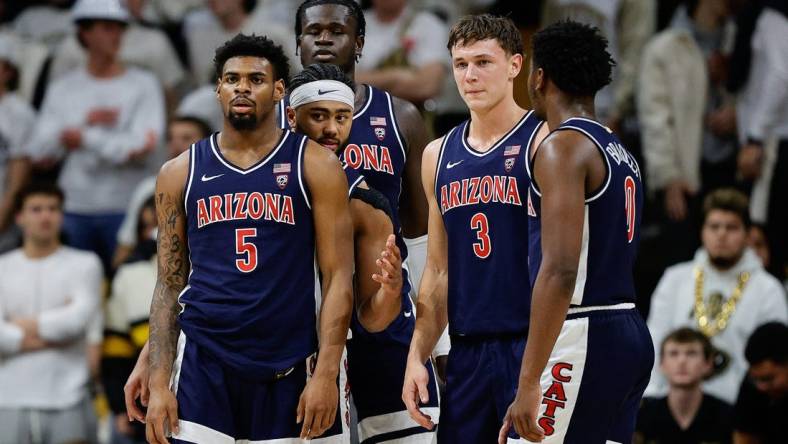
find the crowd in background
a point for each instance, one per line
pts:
(96, 94)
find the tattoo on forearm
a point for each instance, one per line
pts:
(173, 270)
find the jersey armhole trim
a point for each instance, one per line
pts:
(395, 125)
(528, 150)
(608, 173)
(301, 154)
(355, 184)
(440, 162)
(366, 105)
(189, 179)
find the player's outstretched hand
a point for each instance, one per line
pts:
(522, 414)
(390, 263)
(162, 414)
(317, 407)
(414, 390)
(137, 387)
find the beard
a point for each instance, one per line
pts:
(725, 263)
(245, 122)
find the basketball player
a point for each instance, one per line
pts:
(243, 215)
(476, 184)
(388, 134)
(589, 353)
(321, 106)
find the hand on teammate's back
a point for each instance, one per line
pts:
(317, 407)
(415, 390)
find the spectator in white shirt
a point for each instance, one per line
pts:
(105, 121)
(16, 122)
(143, 46)
(404, 51)
(49, 295)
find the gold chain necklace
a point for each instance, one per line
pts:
(711, 326)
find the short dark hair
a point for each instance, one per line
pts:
(474, 28)
(728, 199)
(769, 342)
(253, 46)
(202, 125)
(320, 71)
(574, 56)
(352, 6)
(686, 335)
(37, 188)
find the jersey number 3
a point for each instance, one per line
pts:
(479, 223)
(245, 247)
(629, 206)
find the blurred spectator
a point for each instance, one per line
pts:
(759, 243)
(143, 46)
(202, 104)
(404, 51)
(181, 133)
(724, 292)
(206, 29)
(16, 123)
(127, 323)
(49, 294)
(762, 406)
(763, 126)
(48, 23)
(105, 120)
(686, 415)
(688, 124)
(627, 24)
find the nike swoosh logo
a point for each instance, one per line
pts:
(320, 92)
(407, 314)
(205, 178)
(452, 165)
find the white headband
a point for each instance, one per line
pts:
(322, 90)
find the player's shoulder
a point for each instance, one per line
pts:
(317, 158)
(174, 172)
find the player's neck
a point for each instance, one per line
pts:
(37, 249)
(560, 108)
(684, 403)
(492, 123)
(361, 96)
(260, 140)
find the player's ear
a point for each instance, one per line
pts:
(515, 65)
(359, 46)
(291, 117)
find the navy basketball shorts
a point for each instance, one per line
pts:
(376, 372)
(217, 406)
(595, 378)
(481, 382)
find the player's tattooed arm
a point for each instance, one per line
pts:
(173, 271)
(413, 209)
(334, 242)
(433, 294)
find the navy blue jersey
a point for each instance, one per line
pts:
(611, 230)
(482, 199)
(375, 148)
(250, 299)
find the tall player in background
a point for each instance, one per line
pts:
(321, 106)
(242, 217)
(388, 134)
(476, 184)
(589, 353)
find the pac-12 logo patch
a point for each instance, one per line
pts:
(282, 171)
(508, 164)
(380, 133)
